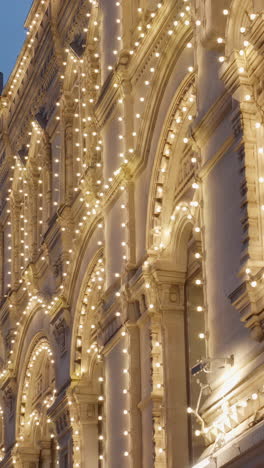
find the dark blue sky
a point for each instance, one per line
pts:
(12, 34)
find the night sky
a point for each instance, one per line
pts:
(12, 34)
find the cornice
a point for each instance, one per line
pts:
(33, 10)
(39, 77)
(40, 8)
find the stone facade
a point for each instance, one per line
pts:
(131, 236)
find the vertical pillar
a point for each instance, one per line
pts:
(166, 310)
(28, 457)
(129, 21)
(2, 256)
(128, 100)
(157, 395)
(67, 118)
(88, 417)
(66, 224)
(47, 183)
(135, 395)
(15, 212)
(129, 151)
(62, 418)
(171, 303)
(33, 225)
(45, 454)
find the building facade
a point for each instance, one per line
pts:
(131, 236)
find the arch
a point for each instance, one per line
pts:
(82, 247)
(36, 394)
(180, 236)
(173, 239)
(173, 164)
(86, 366)
(238, 17)
(84, 326)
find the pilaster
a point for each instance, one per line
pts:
(67, 125)
(247, 297)
(47, 182)
(135, 394)
(27, 457)
(2, 273)
(172, 310)
(61, 416)
(86, 402)
(15, 213)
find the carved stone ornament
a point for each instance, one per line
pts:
(248, 299)
(9, 397)
(60, 325)
(63, 421)
(60, 333)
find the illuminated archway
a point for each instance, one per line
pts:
(174, 273)
(88, 370)
(34, 429)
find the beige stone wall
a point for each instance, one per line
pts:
(131, 236)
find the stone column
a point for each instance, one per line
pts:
(87, 409)
(67, 120)
(128, 100)
(157, 394)
(66, 223)
(168, 340)
(28, 457)
(245, 117)
(47, 182)
(33, 225)
(45, 454)
(135, 394)
(15, 213)
(61, 415)
(2, 256)
(129, 20)
(171, 298)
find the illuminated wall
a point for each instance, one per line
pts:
(131, 236)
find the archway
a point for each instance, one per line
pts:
(174, 273)
(36, 445)
(88, 371)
